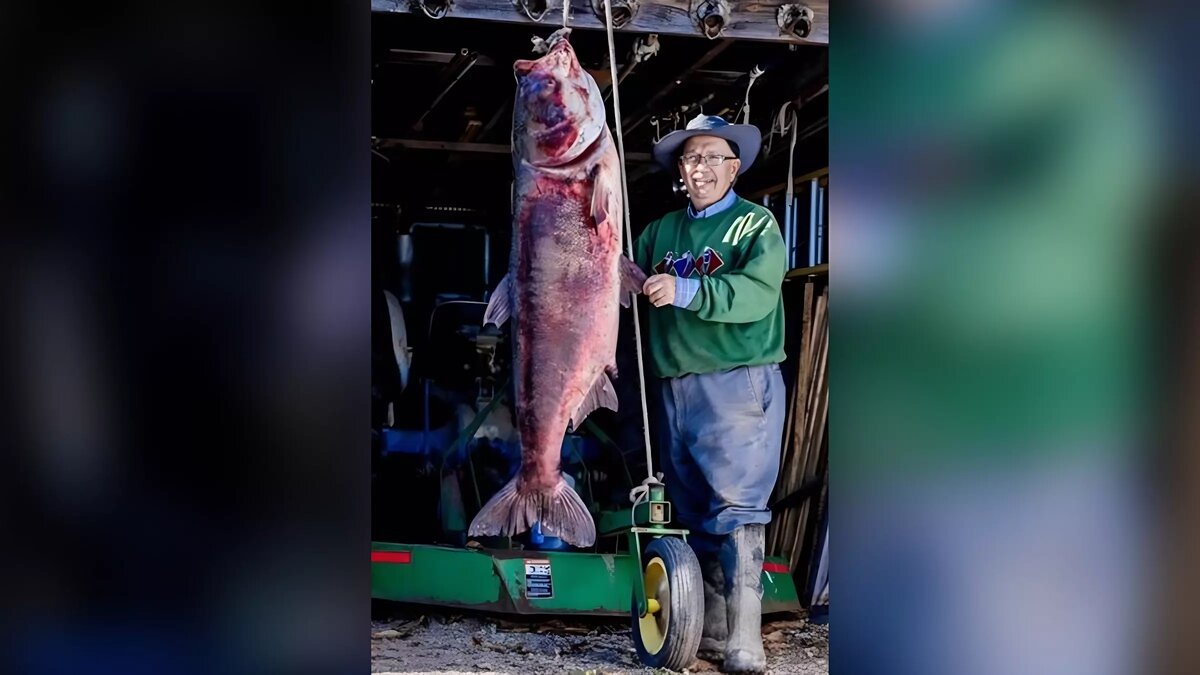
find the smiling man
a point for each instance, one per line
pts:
(716, 341)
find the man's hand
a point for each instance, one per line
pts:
(660, 289)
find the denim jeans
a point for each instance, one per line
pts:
(719, 442)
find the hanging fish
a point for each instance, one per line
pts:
(565, 285)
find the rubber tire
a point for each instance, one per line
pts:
(685, 620)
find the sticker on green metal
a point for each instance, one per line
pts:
(775, 568)
(537, 579)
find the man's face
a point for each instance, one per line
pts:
(706, 184)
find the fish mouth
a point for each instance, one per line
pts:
(561, 143)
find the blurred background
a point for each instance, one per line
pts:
(1014, 347)
(185, 468)
(186, 373)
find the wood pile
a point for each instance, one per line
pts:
(804, 450)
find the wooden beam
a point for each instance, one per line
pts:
(755, 196)
(506, 107)
(816, 270)
(749, 19)
(644, 113)
(404, 56)
(471, 148)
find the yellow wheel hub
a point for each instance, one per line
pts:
(654, 624)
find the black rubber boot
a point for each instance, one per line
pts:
(716, 628)
(742, 560)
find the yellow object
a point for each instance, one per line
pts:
(653, 625)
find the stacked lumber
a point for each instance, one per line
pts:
(803, 456)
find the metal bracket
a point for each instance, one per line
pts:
(795, 20)
(713, 16)
(623, 11)
(440, 8)
(539, 8)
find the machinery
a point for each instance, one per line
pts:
(451, 443)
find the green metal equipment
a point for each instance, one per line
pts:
(652, 575)
(654, 578)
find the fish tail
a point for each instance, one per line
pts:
(560, 510)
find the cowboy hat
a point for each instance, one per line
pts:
(746, 137)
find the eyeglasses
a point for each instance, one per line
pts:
(711, 160)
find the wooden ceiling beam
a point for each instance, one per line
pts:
(413, 56)
(470, 148)
(648, 107)
(749, 19)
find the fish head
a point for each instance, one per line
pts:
(558, 112)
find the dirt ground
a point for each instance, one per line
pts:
(407, 639)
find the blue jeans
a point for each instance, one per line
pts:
(719, 443)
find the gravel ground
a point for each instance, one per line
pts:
(423, 640)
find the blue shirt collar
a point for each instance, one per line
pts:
(716, 207)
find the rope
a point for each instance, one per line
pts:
(566, 10)
(745, 111)
(637, 324)
(640, 494)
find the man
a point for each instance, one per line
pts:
(716, 339)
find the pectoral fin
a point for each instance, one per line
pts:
(606, 200)
(601, 395)
(498, 307)
(632, 279)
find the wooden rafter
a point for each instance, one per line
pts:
(471, 148)
(749, 19)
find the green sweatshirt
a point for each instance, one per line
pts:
(736, 316)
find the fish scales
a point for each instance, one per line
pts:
(563, 290)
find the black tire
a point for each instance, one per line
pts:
(672, 636)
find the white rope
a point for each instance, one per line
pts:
(637, 324)
(641, 494)
(566, 10)
(745, 111)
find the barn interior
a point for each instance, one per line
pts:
(442, 101)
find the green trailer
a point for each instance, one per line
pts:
(654, 578)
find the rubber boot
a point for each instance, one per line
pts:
(716, 628)
(742, 560)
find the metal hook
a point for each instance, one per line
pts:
(524, 5)
(713, 15)
(795, 20)
(623, 11)
(441, 9)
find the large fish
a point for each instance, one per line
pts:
(565, 285)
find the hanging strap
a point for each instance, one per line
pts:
(637, 326)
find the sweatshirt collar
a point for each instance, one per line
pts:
(714, 208)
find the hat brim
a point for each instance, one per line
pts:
(747, 137)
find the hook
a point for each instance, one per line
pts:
(440, 7)
(795, 20)
(644, 48)
(623, 11)
(540, 7)
(713, 15)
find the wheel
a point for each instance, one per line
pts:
(669, 635)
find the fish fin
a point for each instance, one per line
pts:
(632, 279)
(560, 509)
(601, 395)
(567, 517)
(606, 200)
(498, 306)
